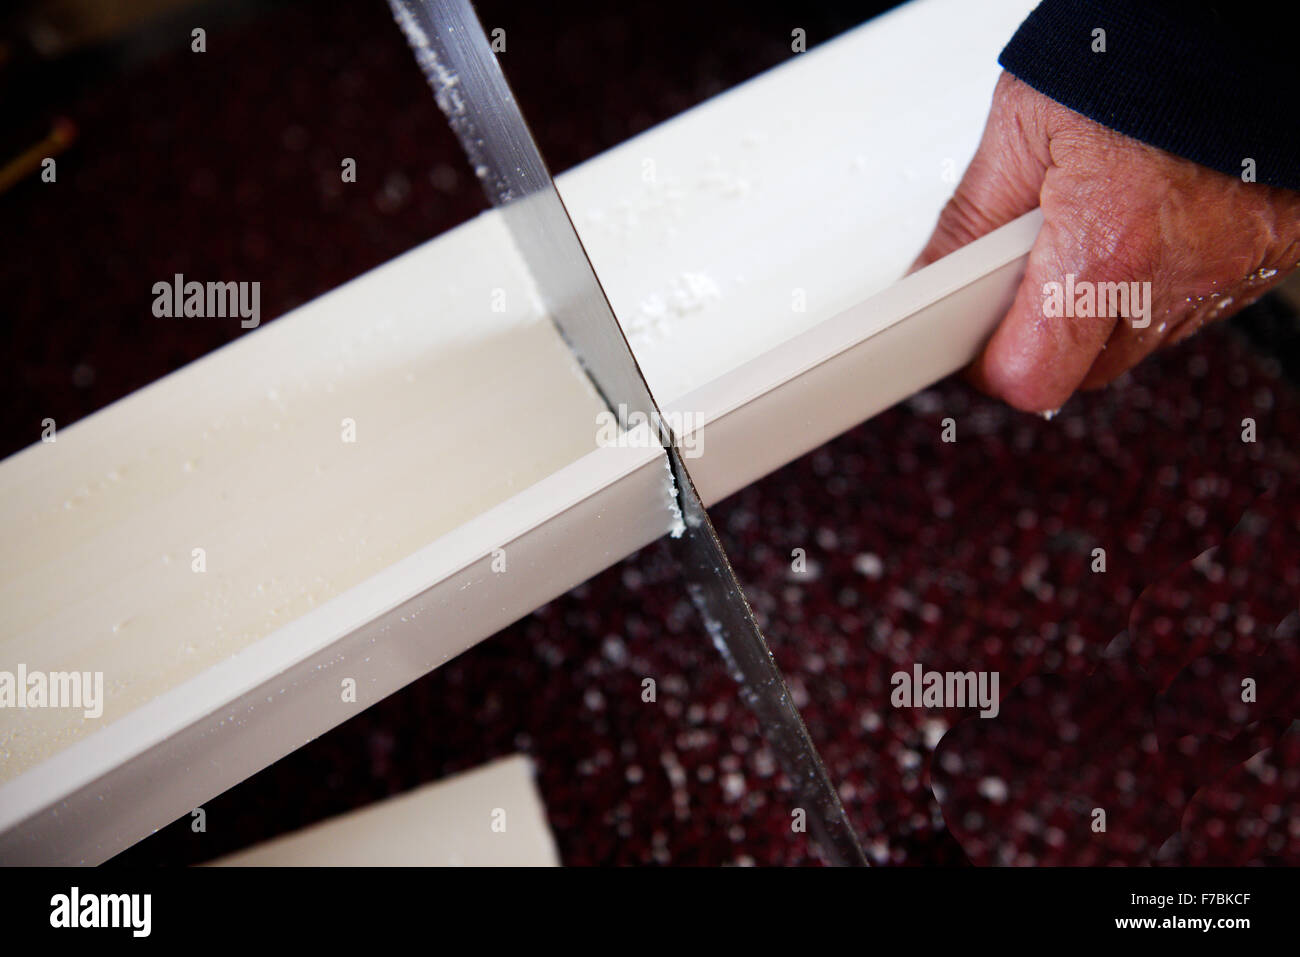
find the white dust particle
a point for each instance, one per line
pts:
(870, 565)
(994, 789)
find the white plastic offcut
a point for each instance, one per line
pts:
(489, 816)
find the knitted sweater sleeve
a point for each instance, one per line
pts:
(1216, 83)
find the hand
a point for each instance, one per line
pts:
(1115, 210)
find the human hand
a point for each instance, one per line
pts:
(1115, 210)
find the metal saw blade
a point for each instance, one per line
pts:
(468, 84)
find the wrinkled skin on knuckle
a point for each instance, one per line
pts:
(1002, 179)
(1018, 126)
(1003, 170)
(969, 213)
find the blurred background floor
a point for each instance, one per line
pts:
(972, 555)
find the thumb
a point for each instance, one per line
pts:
(1004, 179)
(1034, 362)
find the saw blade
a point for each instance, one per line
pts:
(457, 59)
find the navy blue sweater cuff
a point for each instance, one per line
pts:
(1215, 83)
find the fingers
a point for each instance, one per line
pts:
(1091, 302)
(1039, 354)
(1003, 179)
